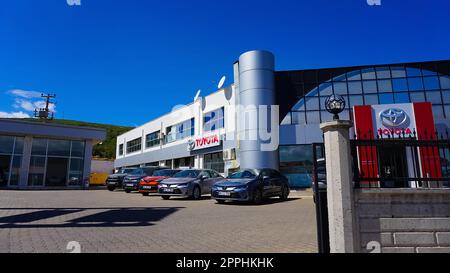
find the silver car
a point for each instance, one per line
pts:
(189, 183)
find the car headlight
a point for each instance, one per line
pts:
(183, 185)
(230, 188)
(163, 185)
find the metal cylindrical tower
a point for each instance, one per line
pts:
(256, 88)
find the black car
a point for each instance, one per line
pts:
(131, 181)
(251, 185)
(115, 181)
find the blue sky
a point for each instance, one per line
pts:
(126, 62)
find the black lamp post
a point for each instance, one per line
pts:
(335, 104)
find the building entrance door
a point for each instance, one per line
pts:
(56, 172)
(393, 166)
(5, 161)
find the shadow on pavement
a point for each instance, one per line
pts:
(120, 217)
(176, 198)
(265, 202)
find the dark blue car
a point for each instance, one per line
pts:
(252, 185)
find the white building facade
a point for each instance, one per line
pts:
(199, 135)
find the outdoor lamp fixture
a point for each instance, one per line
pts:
(335, 104)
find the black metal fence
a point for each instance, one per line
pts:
(320, 197)
(400, 160)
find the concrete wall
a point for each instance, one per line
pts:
(403, 220)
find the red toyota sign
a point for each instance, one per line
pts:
(204, 142)
(396, 120)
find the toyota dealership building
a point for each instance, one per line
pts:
(237, 126)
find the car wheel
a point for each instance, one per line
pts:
(127, 191)
(220, 201)
(196, 193)
(257, 197)
(145, 194)
(165, 197)
(284, 193)
(111, 188)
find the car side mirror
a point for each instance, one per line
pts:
(203, 177)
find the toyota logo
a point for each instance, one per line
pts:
(191, 145)
(393, 117)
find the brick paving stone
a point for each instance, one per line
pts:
(102, 221)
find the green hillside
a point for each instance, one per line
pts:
(108, 147)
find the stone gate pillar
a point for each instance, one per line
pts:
(339, 186)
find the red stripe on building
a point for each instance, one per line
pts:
(425, 128)
(368, 159)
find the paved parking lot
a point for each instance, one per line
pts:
(101, 221)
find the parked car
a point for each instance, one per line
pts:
(115, 181)
(189, 183)
(131, 181)
(150, 184)
(321, 174)
(251, 185)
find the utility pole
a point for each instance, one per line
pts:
(45, 113)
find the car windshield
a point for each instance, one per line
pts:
(188, 173)
(137, 171)
(123, 171)
(164, 173)
(245, 174)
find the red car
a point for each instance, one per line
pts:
(150, 184)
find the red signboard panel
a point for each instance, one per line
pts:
(367, 156)
(429, 157)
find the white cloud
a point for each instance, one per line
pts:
(28, 101)
(14, 115)
(24, 104)
(25, 94)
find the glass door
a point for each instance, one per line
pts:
(5, 161)
(56, 172)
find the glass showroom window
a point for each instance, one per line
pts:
(181, 130)
(214, 162)
(36, 171)
(152, 140)
(76, 166)
(11, 149)
(379, 85)
(184, 162)
(38, 159)
(214, 120)
(296, 164)
(56, 162)
(168, 163)
(134, 145)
